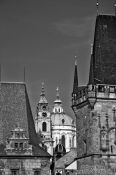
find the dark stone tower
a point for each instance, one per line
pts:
(94, 105)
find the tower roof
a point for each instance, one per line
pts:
(15, 109)
(103, 59)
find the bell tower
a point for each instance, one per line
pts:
(43, 121)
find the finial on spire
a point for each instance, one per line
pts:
(75, 60)
(115, 7)
(97, 5)
(57, 93)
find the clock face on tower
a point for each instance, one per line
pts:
(44, 114)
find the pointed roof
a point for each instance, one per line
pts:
(43, 99)
(75, 84)
(15, 109)
(103, 59)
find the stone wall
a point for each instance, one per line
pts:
(25, 166)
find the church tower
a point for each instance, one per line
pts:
(94, 105)
(43, 121)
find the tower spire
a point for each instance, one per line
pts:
(42, 95)
(97, 5)
(75, 84)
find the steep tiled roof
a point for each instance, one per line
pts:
(103, 60)
(67, 159)
(15, 110)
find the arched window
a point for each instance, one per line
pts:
(63, 121)
(44, 126)
(63, 140)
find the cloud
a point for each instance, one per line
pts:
(75, 27)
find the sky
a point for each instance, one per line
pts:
(44, 36)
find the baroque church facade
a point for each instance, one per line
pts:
(54, 126)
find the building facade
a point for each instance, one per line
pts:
(20, 151)
(94, 105)
(55, 125)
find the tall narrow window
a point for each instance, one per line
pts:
(63, 140)
(44, 126)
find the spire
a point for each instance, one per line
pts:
(42, 95)
(115, 7)
(75, 85)
(57, 103)
(97, 5)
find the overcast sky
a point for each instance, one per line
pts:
(44, 36)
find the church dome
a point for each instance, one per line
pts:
(61, 119)
(58, 115)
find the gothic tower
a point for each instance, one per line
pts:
(43, 121)
(94, 105)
